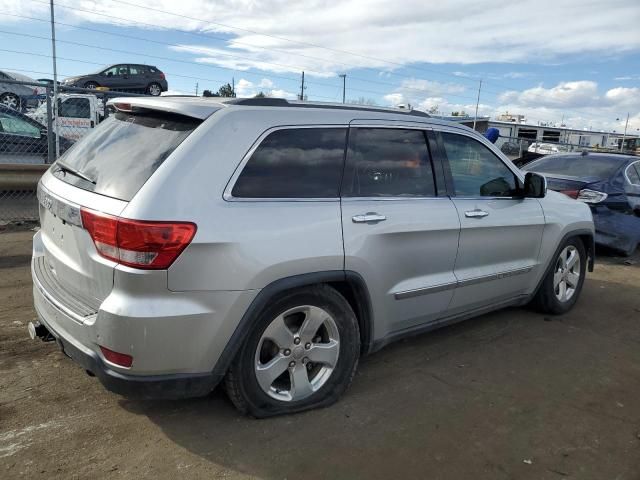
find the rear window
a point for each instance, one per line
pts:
(600, 166)
(122, 153)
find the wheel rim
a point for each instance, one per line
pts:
(10, 101)
(92, 86)
(297, 353)
(154, 89)
(566, 275)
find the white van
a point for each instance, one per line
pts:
(78, 113)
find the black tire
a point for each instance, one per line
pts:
(241, 383)
(154, 89)
(546, 300)
(91, 85)
(10, 100)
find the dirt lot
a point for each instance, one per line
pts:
(509, 395)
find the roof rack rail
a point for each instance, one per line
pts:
(281, 102)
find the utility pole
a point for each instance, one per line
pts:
(477, 103)
(344, 85)
(302, 88)
(624, 135)
(196, 89)
(233, 87)
(55, 80)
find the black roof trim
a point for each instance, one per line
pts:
(281, 102)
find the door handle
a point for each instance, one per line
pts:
(369, 217)
(477, 213)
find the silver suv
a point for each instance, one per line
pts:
(270, 244)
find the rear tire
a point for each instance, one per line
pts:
(563, 283)
(10, 100)
(302, 353)
(91, 85)
(154, 89)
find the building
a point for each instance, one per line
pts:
(572, 136)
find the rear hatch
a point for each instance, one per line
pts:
(100, 174)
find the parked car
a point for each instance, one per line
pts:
(78, 114)
(510, 148)
(14, 95)
(24, 140)
(177, 250)
(609, 183)
(546, 148)
(124, 77)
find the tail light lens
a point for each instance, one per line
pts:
(591, 196)
(120, 359)
(162, 75)
(137, 243)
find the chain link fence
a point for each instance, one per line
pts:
(31, 133)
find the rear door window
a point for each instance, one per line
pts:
(295, 163)
(122, 153)
(388, 162)
(74, 107)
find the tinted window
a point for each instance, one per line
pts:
(633, 173)
(116, 70)
(123, 151)
(74, 108)
(600, 166)
(295, 163)
(476, 171)
(383, 162)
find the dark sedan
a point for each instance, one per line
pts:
(609, 183)
(24, 140)
(123, 77)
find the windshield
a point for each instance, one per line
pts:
(120, 155)
(600, 166)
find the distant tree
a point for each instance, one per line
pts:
(226, 91)
(209, 93)
(433, 110)
(363, 101)
(259, 95)
(455, 114)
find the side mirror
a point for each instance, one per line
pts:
(535, 185)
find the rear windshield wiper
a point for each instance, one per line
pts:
(66, 168)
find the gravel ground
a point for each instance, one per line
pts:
(510, 395)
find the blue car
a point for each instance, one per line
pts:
(609, 183)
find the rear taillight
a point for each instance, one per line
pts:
(162, 75)
(570, 193)
(120, 359)
(137, 243)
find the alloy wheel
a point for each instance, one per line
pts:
(297, 353)
(154, 89)
(566, 276)
(10, 100)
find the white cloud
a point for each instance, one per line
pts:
(245, 88)
(565, 94)
(408, 32)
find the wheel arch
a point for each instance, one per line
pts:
(348, 283)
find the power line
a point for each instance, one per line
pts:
(355, 78)
(128, 52)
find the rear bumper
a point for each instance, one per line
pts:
(135, 386)
(172, 386)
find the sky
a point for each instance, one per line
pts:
(570, 62)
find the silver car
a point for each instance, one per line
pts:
(270, 244)
(14, 95)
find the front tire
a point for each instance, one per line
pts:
(563, 283)
(91, 85)
(302, 353)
